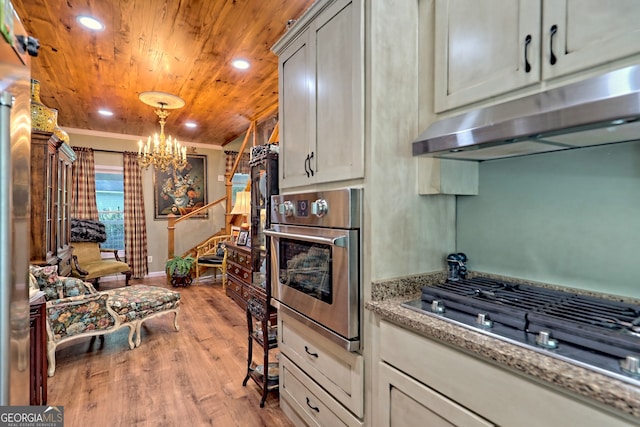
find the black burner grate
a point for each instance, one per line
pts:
(609, 327)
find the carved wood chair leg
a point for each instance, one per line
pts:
(127, 277)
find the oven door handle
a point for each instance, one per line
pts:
(335, 241)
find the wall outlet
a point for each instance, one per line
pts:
(149, 259)
(220, 178)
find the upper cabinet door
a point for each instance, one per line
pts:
(321, 76)
(339, 153)
(296, 85)
(484, 48)
(578, 34)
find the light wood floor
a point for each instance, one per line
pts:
(188, 378)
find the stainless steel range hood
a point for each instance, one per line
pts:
(599, 110)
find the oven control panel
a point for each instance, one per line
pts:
(319, 208)
(335, 208)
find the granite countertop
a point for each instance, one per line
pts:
(389, 295)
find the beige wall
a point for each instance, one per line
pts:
(188, 233)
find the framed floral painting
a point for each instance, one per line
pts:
(181, 192)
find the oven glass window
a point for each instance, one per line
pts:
(306, 267)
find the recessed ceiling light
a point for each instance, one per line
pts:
(105, 113)
(90, 22)
(191, 125)
(240, 64)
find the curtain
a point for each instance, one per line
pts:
(135, 226)
(83, 189)
(243, 166)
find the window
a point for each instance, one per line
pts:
(110, 201)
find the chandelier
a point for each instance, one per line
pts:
(161, 151)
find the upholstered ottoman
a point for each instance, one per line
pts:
(138, 303)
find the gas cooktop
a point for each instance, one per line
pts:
(592, 332)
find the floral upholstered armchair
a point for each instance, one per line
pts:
(74, 309)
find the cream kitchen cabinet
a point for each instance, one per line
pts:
(314, 371)
(419, 377)
(480, 49)
(489, 48)
(308, 404)
(404, 401)
(584, 33)
(321, 68)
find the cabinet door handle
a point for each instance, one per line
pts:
(315, 408)
(310, 157)
(306, 162)
(309, 352)
(552, 57)
(527, 42)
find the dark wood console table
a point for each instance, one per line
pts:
(38, 353)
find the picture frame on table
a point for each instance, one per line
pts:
(242, 238)
(235, 231)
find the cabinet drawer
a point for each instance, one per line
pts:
(239, 257)
(403, 400)
(234, 291)
(338, 371)
(244, 260)
(246, 292)
(483, 387)
(241, 273)
(235, 285)
(311, 404)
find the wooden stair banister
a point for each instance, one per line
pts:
(234, 168)
(173, 220)
(275, 135)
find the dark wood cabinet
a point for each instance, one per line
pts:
(51, 162)
(38, 354)
(238, 273)
(262, 321)
(262, 317)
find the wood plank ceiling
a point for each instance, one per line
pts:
(183, 47)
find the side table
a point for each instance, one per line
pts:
(38, 354)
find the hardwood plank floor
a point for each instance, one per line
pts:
(192, 377)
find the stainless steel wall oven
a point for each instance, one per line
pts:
(315, 256)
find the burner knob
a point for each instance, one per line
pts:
(437, 306)
(544, 340)
(483, 321)
(319, 208)
(286, 208)
(631, 365)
